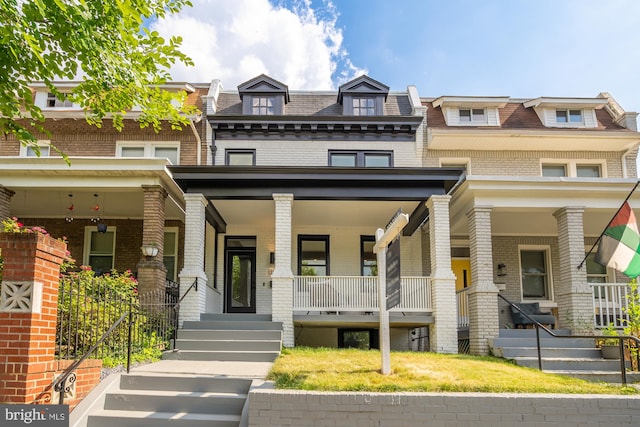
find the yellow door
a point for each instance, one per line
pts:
(462, 269)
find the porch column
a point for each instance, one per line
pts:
(483, 294)
(151, 270)
(575, 305)
(5, 202)
(194, 235)
(443, 334)
(282, 277)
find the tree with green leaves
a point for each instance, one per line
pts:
(105, 44)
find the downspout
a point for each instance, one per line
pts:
(198, 139)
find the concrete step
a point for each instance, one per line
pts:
(569, 364)
(111, 418)
(256, 325)
(170, 401)
(184, 383)
(544, 342)
(610, 377)
(581, 353)
(523, 333)
(228, 345)
(238, 356)
(229, 334)
(240, 317)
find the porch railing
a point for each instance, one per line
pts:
(462, 302)
(356, 294)
(609, 304)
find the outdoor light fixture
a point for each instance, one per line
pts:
(149, 250)
(501, 270)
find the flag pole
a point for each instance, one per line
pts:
(608, 224)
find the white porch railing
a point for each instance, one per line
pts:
(462, 302)
(609, 302)
(357, 293)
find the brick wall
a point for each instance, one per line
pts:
(306, 408)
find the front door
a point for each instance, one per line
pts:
(240, 282)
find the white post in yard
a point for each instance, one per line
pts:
(383, 239)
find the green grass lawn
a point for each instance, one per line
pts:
(327, 369)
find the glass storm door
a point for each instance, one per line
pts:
(240, 286)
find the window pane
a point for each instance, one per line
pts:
(132, 152)
(465, 115)
(170, 243)
(240, 159)
(263, 105)
(363, 107)
(102, 243)
(348, 160)
(478, 115)
(44, 151)
(596, 273)
(313, 255)
(588, 171)
(575, 116)
(534, 274)
(554, 170)
(170, 153)
(377, 160)
(369, 259)
(561, 116)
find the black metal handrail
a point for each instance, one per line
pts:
(538, 325)
(176, 308)
(59, 383)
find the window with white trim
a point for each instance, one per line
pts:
(169, 151)
(43, 148)
(360, 159)
(99, 249)
(60, 101)
(240, 157)
(588, 171)
(596, 273)
(567, 116)
(534, 271)
(558, 169)
(573, 168)
(472, 115)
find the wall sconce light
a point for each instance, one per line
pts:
(502, 270)
(102, 227)
(149, 251)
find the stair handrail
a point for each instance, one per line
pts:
(538, 325)
(60, 382)
(176, 309)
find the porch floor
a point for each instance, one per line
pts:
(361, 320)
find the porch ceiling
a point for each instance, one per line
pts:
(525, 206)
(374, 214)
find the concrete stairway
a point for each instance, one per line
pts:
(576, 357)
(205, 381)
(228, 337)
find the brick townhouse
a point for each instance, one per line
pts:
(272, 198)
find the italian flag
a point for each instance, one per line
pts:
(619, 246)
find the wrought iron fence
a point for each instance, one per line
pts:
(85, 313)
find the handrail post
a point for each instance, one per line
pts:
(539, 349)
(129, 335)
(623, 368)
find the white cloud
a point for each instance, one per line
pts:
(235, 41)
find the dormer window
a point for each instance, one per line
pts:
(472, 115)
(364, 106)
(54, 101)
(569, 116)
(263, 105)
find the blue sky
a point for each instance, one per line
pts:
(522, 49)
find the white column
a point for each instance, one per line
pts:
(194, 238)
(575, 305)
(483, 294)
(443, 337)
(282, 277)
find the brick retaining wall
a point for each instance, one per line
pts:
(303, 408)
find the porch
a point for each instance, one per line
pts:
(339, 301)
(610, 303)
